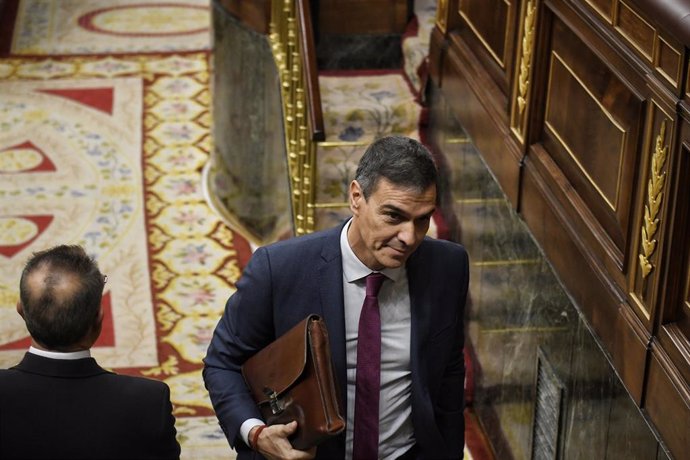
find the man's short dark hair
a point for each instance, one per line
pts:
(403, 161)
(58, 320)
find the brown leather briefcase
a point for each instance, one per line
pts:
(293, 379)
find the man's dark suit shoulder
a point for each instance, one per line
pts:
(80, 410)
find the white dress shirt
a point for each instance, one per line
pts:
(396, 434)
(59, 355)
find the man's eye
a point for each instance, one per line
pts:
(423, 220)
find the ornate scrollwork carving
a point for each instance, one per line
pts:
(655, 196)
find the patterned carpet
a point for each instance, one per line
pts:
(105, 150)
(104, 131)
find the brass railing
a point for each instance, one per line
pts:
(292, 42)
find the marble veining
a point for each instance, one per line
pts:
(516, 307)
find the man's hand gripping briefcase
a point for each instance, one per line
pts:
(293, 379)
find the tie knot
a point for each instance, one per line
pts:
(374, 281)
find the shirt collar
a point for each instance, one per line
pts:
(353, 268)
(59, 355)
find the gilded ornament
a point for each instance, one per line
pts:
(441, 15)
(288, 59)
(655, 196)
(526, 58)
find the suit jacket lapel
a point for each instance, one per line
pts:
(330, 279)
(422, 311)
(419, 309)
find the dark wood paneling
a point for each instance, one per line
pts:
(484, 119)
(489, 26)
(674, 333)
(591, 289)
(589, 121)
(603, 7)
(633, 27)
(436, 55)
(253, 13)
(649, 240)
(630, 351)
(669, 61)
(357, 17)
(598, 164)
(667, 402)
(310, 72)
(594, 141)
(488, 20)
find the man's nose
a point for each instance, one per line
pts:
(407, 234)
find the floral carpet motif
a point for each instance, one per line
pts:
(359, 107)
(415, 43)
(96, 26)
(80, 165)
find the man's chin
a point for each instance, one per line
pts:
(393, 261)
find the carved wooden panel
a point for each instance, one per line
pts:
(524, 73)
(641, 35)
(488, 20)
(352, 17)
(687, 80)
(633, 27)
(651, 216)
(489, 27)
(675, 298)
(682, 310)
(668, 61)
(668, 403)
(603, 7)
(591, 128)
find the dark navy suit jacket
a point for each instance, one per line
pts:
(286, 281)
(51, 408)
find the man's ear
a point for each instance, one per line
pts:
(101, 314)
(95, 329)
(20, 309)
(356, 196)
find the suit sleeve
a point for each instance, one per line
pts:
(245, 327)
(169, 447)
(450, 410)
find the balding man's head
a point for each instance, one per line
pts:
(60, 292)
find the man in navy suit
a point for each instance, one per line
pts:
(58, 402)
(421, 303)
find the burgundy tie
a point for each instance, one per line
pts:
(368, 381)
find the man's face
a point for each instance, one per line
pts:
(388, 227)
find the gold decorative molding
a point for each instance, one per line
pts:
(655, 196)
(500, 60)
(301, 150)
(442, 15)
(612, 202)
(526, 57)
(522, 79)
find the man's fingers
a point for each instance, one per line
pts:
(290, 427)
(273, 443)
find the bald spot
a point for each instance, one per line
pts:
(60, 283)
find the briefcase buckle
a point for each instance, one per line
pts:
(277, 406)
